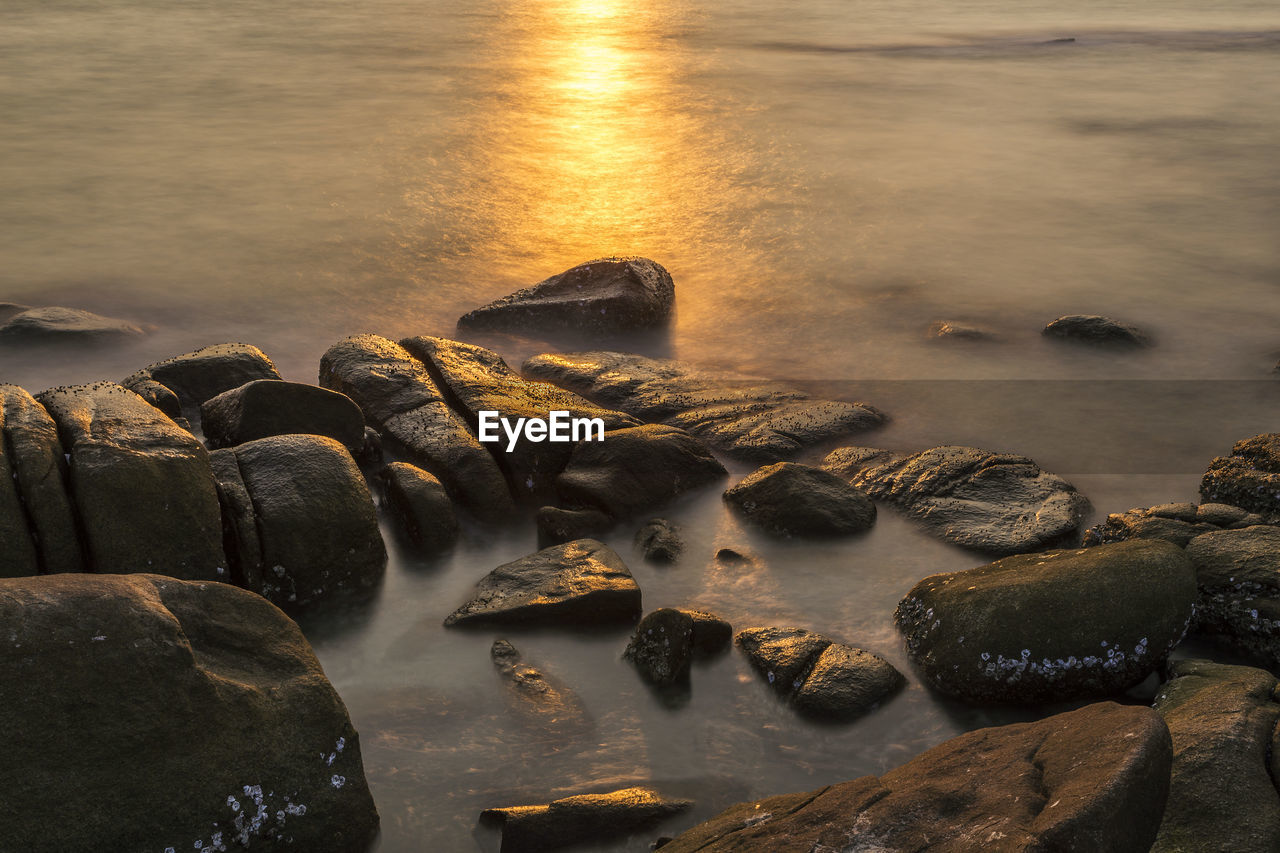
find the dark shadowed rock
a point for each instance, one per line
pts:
(536, 697)
(421, 505)
(1221, 797)
(159, 396)
(604, 295)
(636, 469)
(579, 582)
(141, 486)
(197, 376)
(1248, 478)
(557, 526)
(585, 817)
(161, 714)
(1050, 627)
(56, 325)
(819, 677)
(1092, 779)
(712, 635)
(240, 539)
(1238, 575)
(267, 407)
(1092, 329)
(400, 398)
(997, 503)
(476, 380)
(659, 540)
(662, 646)
(746, 418)
(787, 499)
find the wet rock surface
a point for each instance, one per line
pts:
(267, 407)
(1092, 779)
(1222, 796)
(421, 505)
(788, 499)
(1053, 626)
(1248, 478)
(161, 714)
(195, 377)
(1094, 329)
(557, 526)
(997, 503)
(745, 418)
(534, 695)
(1238, 576)
(659, 540)
(579, 582)
(55, 324)
(1178, 523)
(668, 640)
(585, 817)
(603, 295)
(947, 330)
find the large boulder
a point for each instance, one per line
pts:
(746, 418)
(197, 376)
(1178, 523)
(142, 487)
(579, 582)
(1051, 627)
(267, 407)
(997, 503)
(1238, 574)
(582, 818)
(422, 506)
(604, 295)
(1222, 796)
(637, 469)
(478, 380)
(1094, 329)
(56, 325)
(1248, 478)
(788, 499)
(821, 678)
(399, 397)
(1094, 779)
(158, 714)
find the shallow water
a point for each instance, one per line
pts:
(823, 179)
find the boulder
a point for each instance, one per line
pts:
(240, 538)
(1248, 478)
(749, 419)
(1051, 627)
(1238, 575)
(636, 469)
(659, 540)
(582, 818)
(60, 325)
(579, 582)
(531, 694)
(667, 640)
(1178, 523)
(1091, 779)
(476, 380)
(400, 398)
(141, 486)
(1092, 329)
(821, 678)
(1221, 796)
(421, 505)
(788, 499)
(163, 714)
(997, 503)
(604, 295)
(267, 407)
(557, 526)
(195, 377)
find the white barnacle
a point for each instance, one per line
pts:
(338, 781)
(342, 742)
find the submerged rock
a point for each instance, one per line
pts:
(1248, 478)
(796, 500)
(1177, 523)
(1050, 627)
(997, 503)
(659, 540)
(1222, 796)
(532, 694)
(958, 331)
(579, 582)
(585, 817)
(267, 407)
(195, 377)
(421, 505)
(1093, 329)
(1238, 575)
(1092, 779)
(604, 295)
(56, 325)
(746, 418)
(161, 714)
(667, 640)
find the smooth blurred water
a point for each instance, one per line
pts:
(824, 179)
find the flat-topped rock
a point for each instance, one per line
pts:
(1094, 329)
(582, 818)
(746, 418)
(788, 499)
(54, 324)
(1178, 523)
(1248, 478)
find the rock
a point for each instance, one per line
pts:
(58, 325)
(660, 541)
(787, 499)
(195, 377)
(400, 398)
(1238, 575)
(1176, 523)
(141, 486)
(731, 557)
(604, 295)
(819, 677)
(267, 407)
(539, 699)
(636, 469)
(240, 537)
(662, 646)
(585, 817)
(579, 582)
(1091, 779)
(314, 516)
(997, 503)
(159, 396)
(557, 526)
(1248, 478)
(476, 380)
(371, 448)
(1221, 797)
(421, 505)
(1092, 329)
(156, 713)
(847, 462)
(1050, 627)
(958, 331)
(745, 418)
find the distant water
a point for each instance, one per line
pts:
(823, 179)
